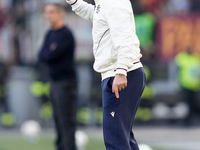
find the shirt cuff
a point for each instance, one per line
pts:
(121, 71)
(71, 2)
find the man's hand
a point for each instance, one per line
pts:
(119, 83)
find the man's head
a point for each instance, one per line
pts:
(54, 13)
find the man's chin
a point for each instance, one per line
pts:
(51, 22)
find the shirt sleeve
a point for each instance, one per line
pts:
(82, 9)
(55, 51)
(121, 25)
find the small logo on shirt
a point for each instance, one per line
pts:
(53, 46)
(112, 114)
(98, 9)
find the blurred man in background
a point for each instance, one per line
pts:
(189, 78)
(57, 52)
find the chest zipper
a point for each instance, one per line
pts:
(100, 40)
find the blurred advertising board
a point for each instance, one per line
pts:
(176, 34)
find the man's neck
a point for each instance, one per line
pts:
(58, 25)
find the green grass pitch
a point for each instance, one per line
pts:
(45, 143)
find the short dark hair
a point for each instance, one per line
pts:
(58, 6)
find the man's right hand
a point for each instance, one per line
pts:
(119, 84)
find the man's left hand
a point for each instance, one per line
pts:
(119, 83)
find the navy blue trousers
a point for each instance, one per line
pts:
(119, 114)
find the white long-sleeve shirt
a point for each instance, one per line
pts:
(115, 43)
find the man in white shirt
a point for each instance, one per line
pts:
(117, 58)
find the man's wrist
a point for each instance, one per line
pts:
(120, 74)
(121, 71)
